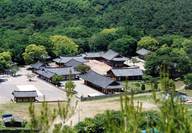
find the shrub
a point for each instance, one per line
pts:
(148, 77)
(143, 87)
(137, 84)
(137, 89)
(171, 82)
(155, 86)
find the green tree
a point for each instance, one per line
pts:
(24, 123)
(12, 121)
(30, 76)
(183, 61)
(147, 43)
(42, 40)
(148, 77)
(5, 59)
(15, 69)
(188, 79)
(33, 53)
(143, 87)
(125, 46)
(134, 60)
(155, 86)
(46, 118)
(83, 68)
(99, 122)
(57, 78)
(62, 45)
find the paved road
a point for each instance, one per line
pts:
(51, 93)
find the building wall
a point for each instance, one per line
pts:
(15, 124)
(74, 76)
(123, 78)
(93, 58)
(129, 78)
(103, 90)
(142, 57)
(24, 99)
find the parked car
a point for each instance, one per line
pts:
(6, 115)
(75, 92)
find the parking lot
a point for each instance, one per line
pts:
(51, 93)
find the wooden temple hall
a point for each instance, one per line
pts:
(24, 96)
(102, 83)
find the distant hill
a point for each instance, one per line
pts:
(153, 17)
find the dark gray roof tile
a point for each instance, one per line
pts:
(93, 54)
(45, 73)
(130, 71)
(37, 65)
(73, 63)
(24, 93)
(8, 119)
(62, 70)
(142, 51)
(112, 55)
(65, 59)
(101, 80)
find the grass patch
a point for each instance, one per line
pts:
(132, 85)
(188, 92)
(138, 98)
(21, 110)
(179, 84)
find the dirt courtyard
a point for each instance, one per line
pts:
(97, 66)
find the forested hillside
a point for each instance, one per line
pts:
(93, 25)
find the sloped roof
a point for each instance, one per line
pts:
(24, 93)
(37, 65)
(130, 71)
(62, 70)
(8, 119)
(112, 55)
(142, 51)
(46, 74)
(93, 54)
(101, 80)
(65, 59)
(73, 63)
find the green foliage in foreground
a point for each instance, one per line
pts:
(172, 118)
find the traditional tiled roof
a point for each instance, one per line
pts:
(62, 70)
(51, 71)
(24, 93)
(130, 71)
(93, 54)
(65, 59)
(73, 63)
(142, 51)
(8, 119)
(101, 80)
(112, 55)
(45, 73)
(38, 65)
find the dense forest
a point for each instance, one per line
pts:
(95, 25)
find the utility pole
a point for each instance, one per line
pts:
(147, 117)
(79, 114)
